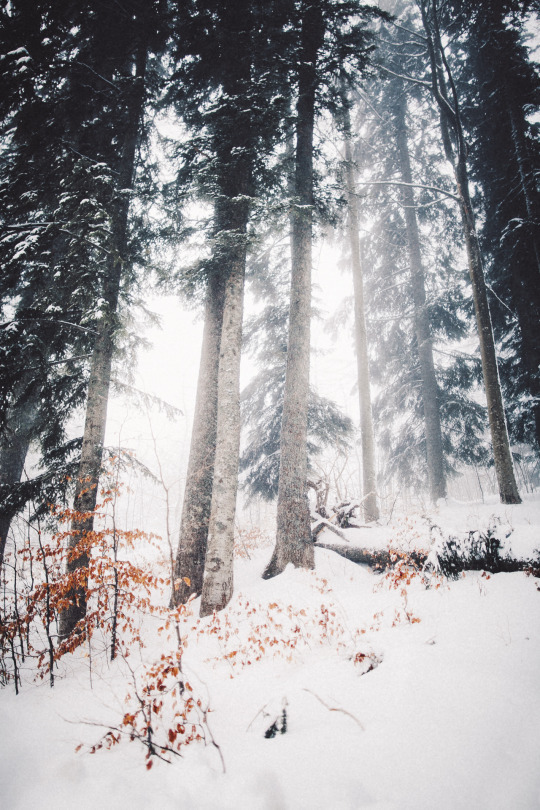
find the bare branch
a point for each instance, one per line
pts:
(335, 708)
(405, 77)
(410, 185)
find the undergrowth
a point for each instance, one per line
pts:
(477, 551)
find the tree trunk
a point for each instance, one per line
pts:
(430, 394)
(293, 538)
(377, 559)
(218, 572)
(369, 476)
(503, 166)
(19, 426)
(86, 488)
(234, 147)
(191, 553)
(504, 467)
(87, 480)
(380, 560)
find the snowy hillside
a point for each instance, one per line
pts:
(420, 694)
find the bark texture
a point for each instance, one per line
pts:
(191, 553)
(430, 394)
(87, 481)
(293, 538)
(218, 573)
(369, 475)
(502, 456)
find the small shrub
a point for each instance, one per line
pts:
(162, 714)
(247, 631)
(117, 592)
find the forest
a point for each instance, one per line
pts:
(342, 197)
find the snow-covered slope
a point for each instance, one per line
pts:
(395, 697)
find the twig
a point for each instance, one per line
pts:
(213, 741)
(261, 710)
(335, 708)
(409, 185)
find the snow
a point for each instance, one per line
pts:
(518, 526)
(447, 718)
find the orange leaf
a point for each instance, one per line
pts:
(187, 581)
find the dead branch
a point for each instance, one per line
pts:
(335, 708)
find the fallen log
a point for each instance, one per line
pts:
(379, 559)
(321, 524)
(382, 559)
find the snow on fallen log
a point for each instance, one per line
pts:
(322, 523)
(378, 559)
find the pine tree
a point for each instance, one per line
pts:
(430, 394)
(500, 84)
(401, 50)
(416, 298)
(45, 299)
(332, 42)
(119, 63)
(262, 399)
(456, 151)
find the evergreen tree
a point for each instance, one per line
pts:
(501, 88)
(262, 399)
(414, 287)
(333, 43)
(46, 299)
(101, 115)
(430, 394)
(444, 92)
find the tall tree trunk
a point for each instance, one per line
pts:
(235, 161)
(19, 426)
(293, 538)
(369, 475)
(504, 467)
(86, 488)
(430, 393)
(218, 573)
(88, 479)
(451, 127)
(191, 553)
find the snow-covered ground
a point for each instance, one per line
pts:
(448, 715)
